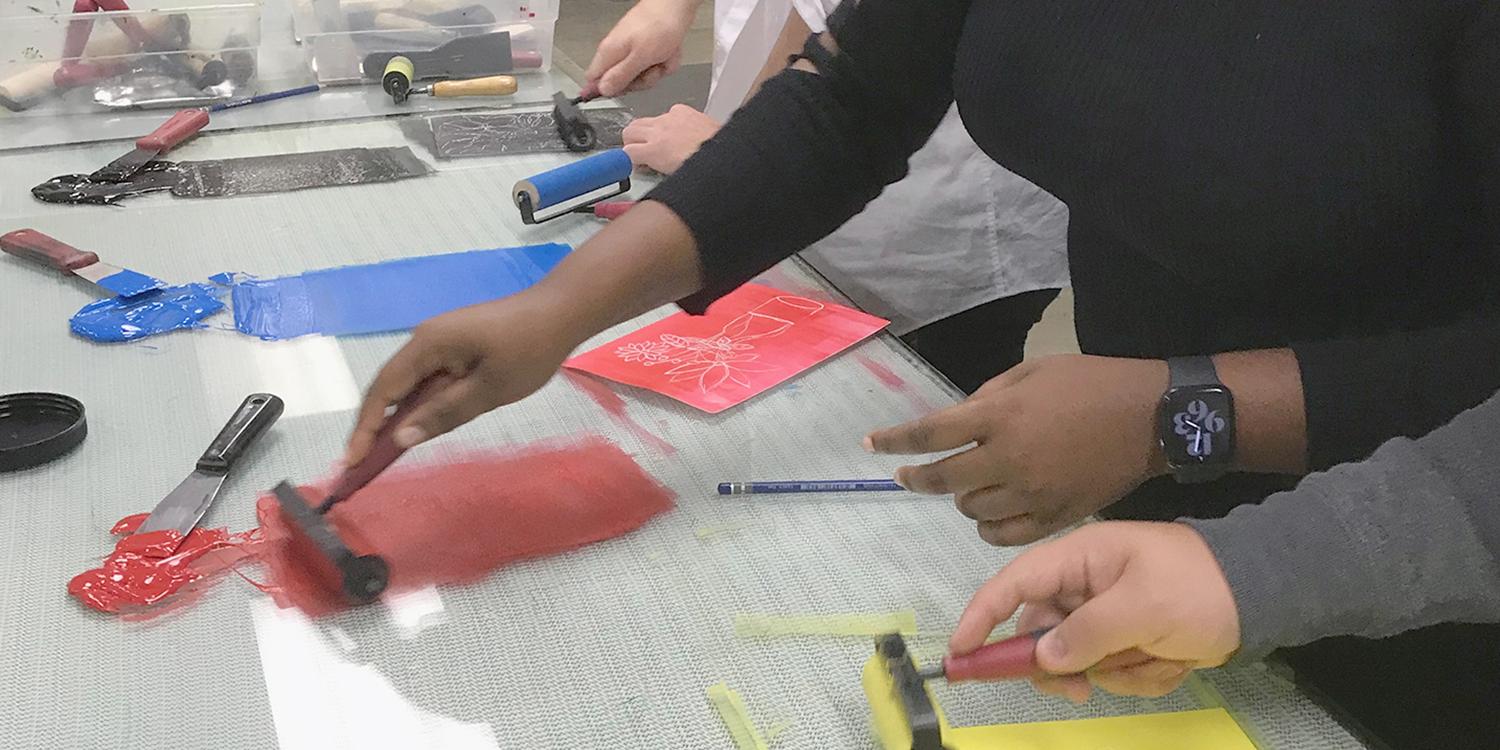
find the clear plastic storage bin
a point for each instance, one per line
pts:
(351, 40)
(161, 53)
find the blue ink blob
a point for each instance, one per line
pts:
(391, 296)
(128, 283)
(159, 311)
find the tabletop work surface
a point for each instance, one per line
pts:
(609, 646)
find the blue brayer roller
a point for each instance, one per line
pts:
(608, 169)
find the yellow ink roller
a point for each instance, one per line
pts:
(400, 72)
(905, 715)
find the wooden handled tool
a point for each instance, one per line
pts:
(400, 73)
(487, 86)
(27, 86)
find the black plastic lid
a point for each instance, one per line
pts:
(36, 428)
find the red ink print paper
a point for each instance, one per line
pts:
(750, 341)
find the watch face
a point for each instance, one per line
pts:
(1197, 425)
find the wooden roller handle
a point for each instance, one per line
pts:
(491, 86)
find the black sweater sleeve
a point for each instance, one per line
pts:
(808, 151)
(1361, 392)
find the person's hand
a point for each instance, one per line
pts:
(495, 353)
(642, 48)
(1056, 439)
(664, 143)
(1134, 607)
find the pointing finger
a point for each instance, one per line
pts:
(394, 381)
(609, 54)
(1035, 576)
(940, 431)
(455, 404)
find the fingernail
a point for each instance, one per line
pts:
(1051, 652)
(868, 444)
(408, 436)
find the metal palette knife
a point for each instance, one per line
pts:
(181, 509)
(36, 247)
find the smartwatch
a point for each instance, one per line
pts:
(1195, 423)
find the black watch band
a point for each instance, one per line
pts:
(1190, 371)
(1189, 374)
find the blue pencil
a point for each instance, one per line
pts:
(817, 485)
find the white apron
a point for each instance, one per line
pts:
(957, 232)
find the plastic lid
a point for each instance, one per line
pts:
(36, 428)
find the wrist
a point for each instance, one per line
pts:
(1214, 594)
(683, 10)
(568, 327)
(1153, 383)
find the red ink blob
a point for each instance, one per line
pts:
(611, 403)
(457, 522)
(147, 569)
(896, 383)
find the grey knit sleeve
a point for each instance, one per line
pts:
(1407, 538)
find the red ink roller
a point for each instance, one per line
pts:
(1011, 659)
(361, 577)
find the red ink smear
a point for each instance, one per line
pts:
(749, 341)
(611, 402)
(896, 383)
(457, 522)
(146, 570)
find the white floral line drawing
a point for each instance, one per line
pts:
(727, 356)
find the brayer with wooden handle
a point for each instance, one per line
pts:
(399, 74)
(488, 86)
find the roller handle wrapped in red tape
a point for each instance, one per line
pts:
(1011, 659)
(40, 248)
(175, 130)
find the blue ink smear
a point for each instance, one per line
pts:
(128, 283)
(160, 311)
(390, 296)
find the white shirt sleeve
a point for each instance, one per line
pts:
(815, 13)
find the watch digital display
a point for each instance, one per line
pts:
(1197, 426)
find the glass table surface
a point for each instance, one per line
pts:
(609, 646)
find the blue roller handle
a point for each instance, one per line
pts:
(579, 178)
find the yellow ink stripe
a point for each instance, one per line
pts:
(736, 719)
(864, 624)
